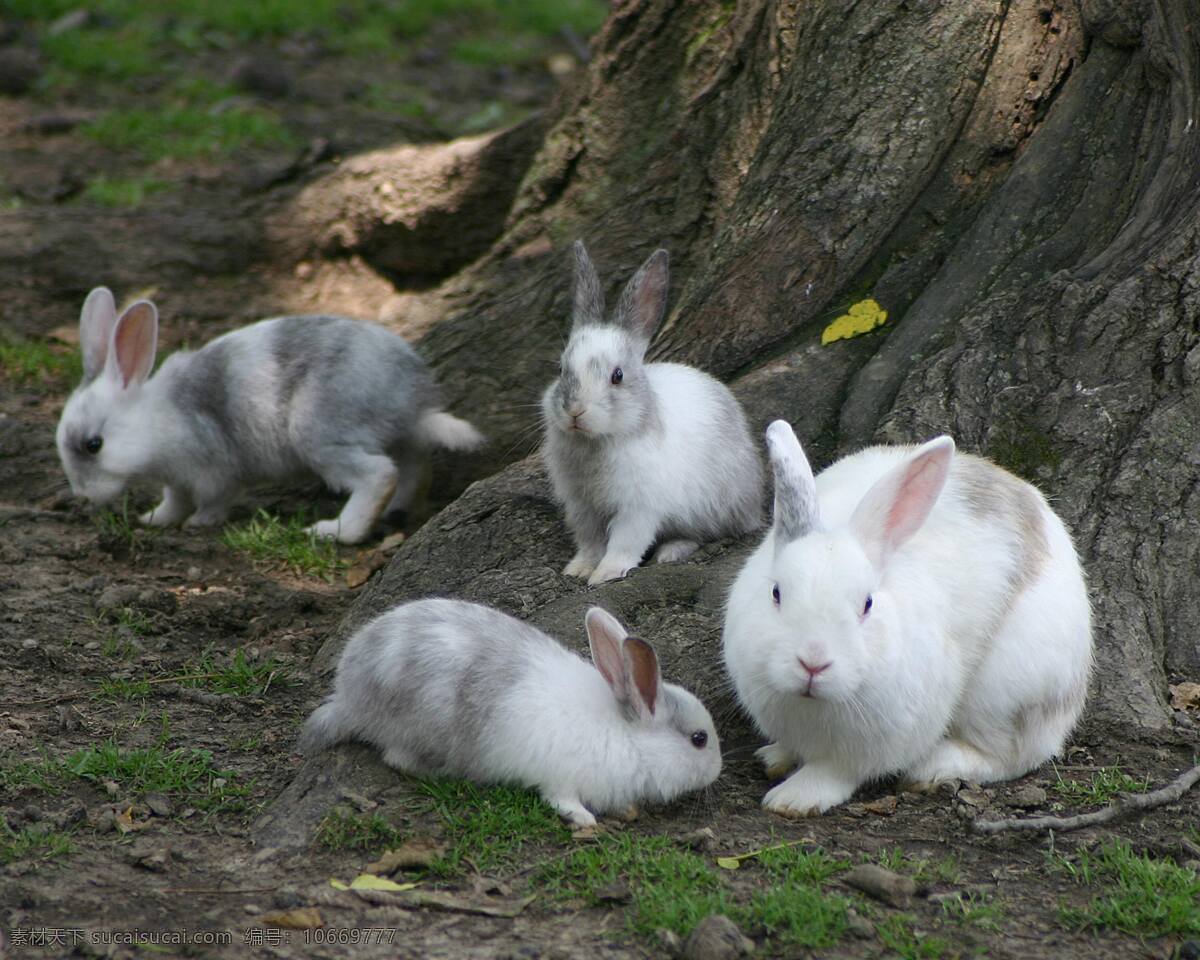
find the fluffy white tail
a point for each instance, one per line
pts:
(322, 730)
(442, 429)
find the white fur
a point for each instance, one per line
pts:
(952, 673)
(663, 455)
(449, 687)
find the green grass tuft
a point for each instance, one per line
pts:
(488, 827)
(975, 911)
(238, 675)
(798, 913)
(797, 865)
(899, 933)
(122, 192)
(343, 830)
(183, 130)
(119, 689)
(269, 539)
(37, 362)
(922, 869)
(185, 773)
(1104, 786)
(1140, 896)
(671, 888)
(99, 54)
(31, 843)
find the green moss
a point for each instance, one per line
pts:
(1023, 449)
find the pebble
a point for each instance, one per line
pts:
(882, 884)
(1027, 796)
(160, 805)
(117, 596)
(261, 74)
(71, 20)
(716, 937)
(30, 644)
(194, 573)
(251, 908)
(285, 898)
(703, 840)
(111, 788)
(859, 926)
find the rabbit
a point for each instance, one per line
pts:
(283, 398)
(913, 611)
(641, 453)
(455, 688)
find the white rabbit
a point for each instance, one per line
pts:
(455, 688)
(642, 453)
(913, 611)
(281, 399)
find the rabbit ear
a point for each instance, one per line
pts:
(640, 309)
(605, 637)
(134, 343)
(96, 322)
(643, 677)
(796, 509)
(589, 296)
(899, 502)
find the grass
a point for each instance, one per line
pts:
(117, 690)
(1104, 786)
(671, 888)
(238, 675)
(266, 538)
(37, 362)
(122, 191)
(343, 830)
(975, 911)
(188, 774)
(488, 827)
(183, 130)
(923, 870)
(120, 526)
(31, 843)
(898, 932)
(1140, 896)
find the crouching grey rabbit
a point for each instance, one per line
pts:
(281, 399)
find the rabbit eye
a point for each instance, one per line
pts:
(867, 606)
(617, 376)
(775, 594)
(93, 444)
(700, 739)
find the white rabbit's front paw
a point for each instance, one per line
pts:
(777, 761)
(573, 811)
(612, 568)
(808, 792)
(581, 565)
(325, 529)
(208, 517)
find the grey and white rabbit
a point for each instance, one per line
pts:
(454, 688)
(281, 399)
(913, 610)
(641, 453)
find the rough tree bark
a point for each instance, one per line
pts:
(1016, 182)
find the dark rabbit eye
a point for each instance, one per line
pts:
(93, 444)
(775, 594)
(867, 606)
(617, 376)
(699, 739)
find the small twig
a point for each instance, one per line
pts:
(58, 698)
(217, 890)
(1123, 806)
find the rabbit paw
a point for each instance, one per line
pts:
(777, 762)
(573, 811)
(612, 568)
(207, 517)
(325, 529)
(675, 550)
(807, 792)
(581, 565)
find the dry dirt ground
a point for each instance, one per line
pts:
(116, 640)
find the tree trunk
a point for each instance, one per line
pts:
(1015, 182)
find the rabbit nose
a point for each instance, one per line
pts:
(813, 671)
(576, 411)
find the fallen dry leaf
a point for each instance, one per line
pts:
(302, 918)
(884, 806)
(368, 881)
(735, 861)
(410, 855)
(125, 823)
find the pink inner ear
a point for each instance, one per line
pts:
(605, 644)
(134, 342)
(644, 670)
(918, 491)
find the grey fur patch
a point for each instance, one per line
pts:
(993, 494)
(796, 511)
(589, 295)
